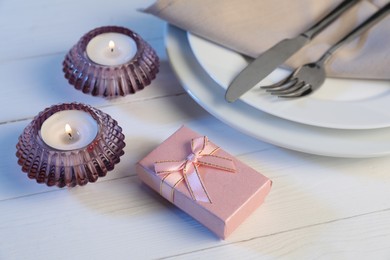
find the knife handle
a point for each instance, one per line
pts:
(329, 18)
(371, 21)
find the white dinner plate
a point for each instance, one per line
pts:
(263, 126)
(339, 103)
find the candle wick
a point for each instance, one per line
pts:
(70, 136)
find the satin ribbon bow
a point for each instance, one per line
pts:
(202, 155)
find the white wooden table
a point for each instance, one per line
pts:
(319, 207)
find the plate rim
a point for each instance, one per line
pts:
(269, 127)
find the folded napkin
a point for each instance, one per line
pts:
(252, 26)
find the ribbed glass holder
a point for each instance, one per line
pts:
(74, 167)
(114, 80)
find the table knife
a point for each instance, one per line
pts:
(268, 61)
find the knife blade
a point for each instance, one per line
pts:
(252, 74)
(268, 61)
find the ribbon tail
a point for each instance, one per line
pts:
(195, 185)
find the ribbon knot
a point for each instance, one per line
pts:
(202, 154)
(192, 158)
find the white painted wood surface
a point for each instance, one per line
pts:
(319, 207)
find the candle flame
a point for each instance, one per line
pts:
(68, 130)
(111, 45)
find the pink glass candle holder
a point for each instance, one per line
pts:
(75, 154)
(111, 61)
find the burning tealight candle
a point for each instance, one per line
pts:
(69, 130)
(70, 144)
(111, 49)
(111, 61)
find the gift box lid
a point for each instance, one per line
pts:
(233, 195)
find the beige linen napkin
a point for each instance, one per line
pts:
(252, 26)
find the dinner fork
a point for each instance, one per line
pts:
(309, 77)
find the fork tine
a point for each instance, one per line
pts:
(280, 83)
(303, 91)
(291, 89)
(287, 84)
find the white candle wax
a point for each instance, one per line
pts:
(69, 130)
(111, 49)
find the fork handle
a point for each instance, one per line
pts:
(329, 18)
(372, 20)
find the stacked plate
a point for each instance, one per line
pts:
(344, 118)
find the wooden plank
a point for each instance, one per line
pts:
(145, 124)
(124, 218)
(364, 236)
(39, 82)
(39, 27)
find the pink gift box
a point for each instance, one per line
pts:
(209, 184)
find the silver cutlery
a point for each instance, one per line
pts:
(278, 54)
(309, 77)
